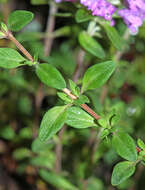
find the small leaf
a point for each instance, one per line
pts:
(125, 146)
(78, 118)
(50, 76)
(104, 133)
(91, 45)
(4, 27)
(82, 16)
(18, 19)
(114, 37)
(52, 122)
(74, 88)
(10, 58)
(121, 172)
(141, 144)
(57, 180)
(81, 100)
(64, 97)
(21, 153)
(97, 75)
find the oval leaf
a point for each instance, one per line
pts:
(18, 19)
(97, 75)
(121, 172)
(52, 122)
(91, 45)
(114, 37)
(78, 118)
(50, 76)
(10, 58)
(125, 146)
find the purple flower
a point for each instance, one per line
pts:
(100, 8)
(134, 15)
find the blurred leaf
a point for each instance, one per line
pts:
(141, 144)
(21, 153)
(124, 146)
(91, 45)
(39, 2)
(18, 19)
(114, 36)
(97, 75)
(94, 184)
(7, 133)
(78, 118)
(10, 58)
(50, 76)
(52, 122)
(57, 180)
(40, 147)
(121, 172)
(82, 16)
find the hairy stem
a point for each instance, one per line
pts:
(84, 106)
(10, 36)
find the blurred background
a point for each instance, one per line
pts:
(76, 159)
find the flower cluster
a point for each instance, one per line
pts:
(133, 15)
(100, 8)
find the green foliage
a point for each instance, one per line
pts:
(19, 19)
(121, 172)
(82, 16)
(114, 36)
(50, 76)
(52, 122)
(97, 75)
(74, 88)
(10, 58)
(141, 144)
(91, 45)
(124, 146)
(39, 2)
(78, 118)
(56, 180)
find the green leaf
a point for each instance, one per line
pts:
(74, 88)
(125, 146)
(97, 75)
(52, 122)
(82, 16)
(10, 58)
(21, 153)
(57, 180)
(121, 172)
(18, 19)
(81, 100)
(7, 133)
(64, 97)
(91, 45)
(78, 118)
(141, 144)
(114, 37)
(4, 27)
(50, 76)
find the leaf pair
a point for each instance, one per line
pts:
(94, 77)
(126, 148)
(56, 117)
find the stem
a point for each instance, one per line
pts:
(58, 150)
(10, 36)
(50, 27)
(84, 106)
(80, 59)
